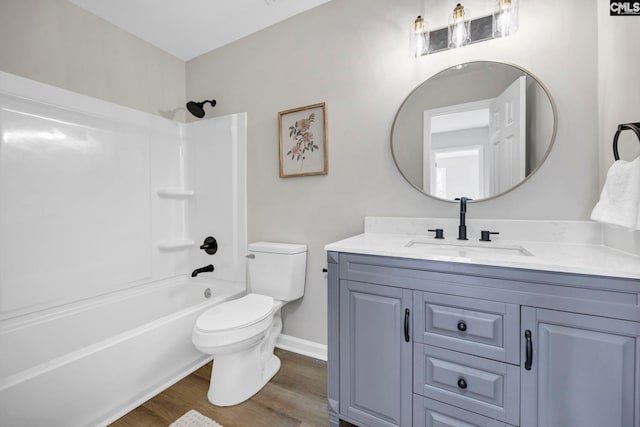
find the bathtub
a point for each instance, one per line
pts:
(89, 363)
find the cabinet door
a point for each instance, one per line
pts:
(375, 357)
(584, 372)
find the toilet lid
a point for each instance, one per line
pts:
(238, 313)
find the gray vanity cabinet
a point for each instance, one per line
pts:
(584, 370)
(375, 355)
(484, 346)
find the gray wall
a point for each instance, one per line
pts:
(619, 88)
(354, 55)
(56, 42)
(618, 100)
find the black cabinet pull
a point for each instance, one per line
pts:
(406, 325)
(529, 350)
(462, 383)
(462, 326)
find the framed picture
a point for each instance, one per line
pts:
(303, 141)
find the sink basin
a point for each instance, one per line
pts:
(467, 250)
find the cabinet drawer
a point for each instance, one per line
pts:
(483, 328)
(431, 413)
(479, 385)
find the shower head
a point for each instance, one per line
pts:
(197, 108)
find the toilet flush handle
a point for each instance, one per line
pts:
(250, 256)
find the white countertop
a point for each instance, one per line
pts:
(569, 256)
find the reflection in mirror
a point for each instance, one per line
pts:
(476, 130)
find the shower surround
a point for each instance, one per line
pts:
(102, 212)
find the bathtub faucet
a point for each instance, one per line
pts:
(205, 269)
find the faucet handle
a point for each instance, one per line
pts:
(210, 245)
(485, 235)
(439, 233)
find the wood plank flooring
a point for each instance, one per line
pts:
(295, 397)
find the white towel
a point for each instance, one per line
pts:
(620, 199)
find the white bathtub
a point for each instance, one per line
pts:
(90, 363)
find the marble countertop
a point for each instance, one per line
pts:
(568, 255)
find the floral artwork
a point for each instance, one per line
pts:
(303, 145)
(303, 138)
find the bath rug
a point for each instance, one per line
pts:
(194, 418)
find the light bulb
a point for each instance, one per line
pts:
(421, 36)
(459, 34)
(506, 18)
(458, 28)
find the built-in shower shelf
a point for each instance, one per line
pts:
(168, 245)
(175, 193)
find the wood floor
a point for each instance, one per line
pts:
(296, 397)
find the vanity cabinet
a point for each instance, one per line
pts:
(584, 370)
(432, 343)
(375, 356)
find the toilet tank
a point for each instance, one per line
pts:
(277, 269)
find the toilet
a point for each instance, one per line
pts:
(241, 334)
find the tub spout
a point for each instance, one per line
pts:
(205, 269)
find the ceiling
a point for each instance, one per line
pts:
(189, 28)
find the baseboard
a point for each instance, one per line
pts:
(304, 347)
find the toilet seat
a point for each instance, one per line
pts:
(233, 322)
(235, 314)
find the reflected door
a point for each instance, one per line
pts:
(507, 137)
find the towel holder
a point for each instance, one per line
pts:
(635, 127)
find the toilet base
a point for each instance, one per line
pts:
(239, 374)
(234, 379)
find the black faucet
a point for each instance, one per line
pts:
(205, 269)
(462, 228)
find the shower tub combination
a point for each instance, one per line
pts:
(91, 363)
(102, 212)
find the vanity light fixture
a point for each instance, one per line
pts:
(420, 37)
(459, 27)
(505, 20)
(463, 30)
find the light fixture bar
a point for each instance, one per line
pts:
(479, 29)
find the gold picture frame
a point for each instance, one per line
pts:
(302, 136)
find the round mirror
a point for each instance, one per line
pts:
(477, 130)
